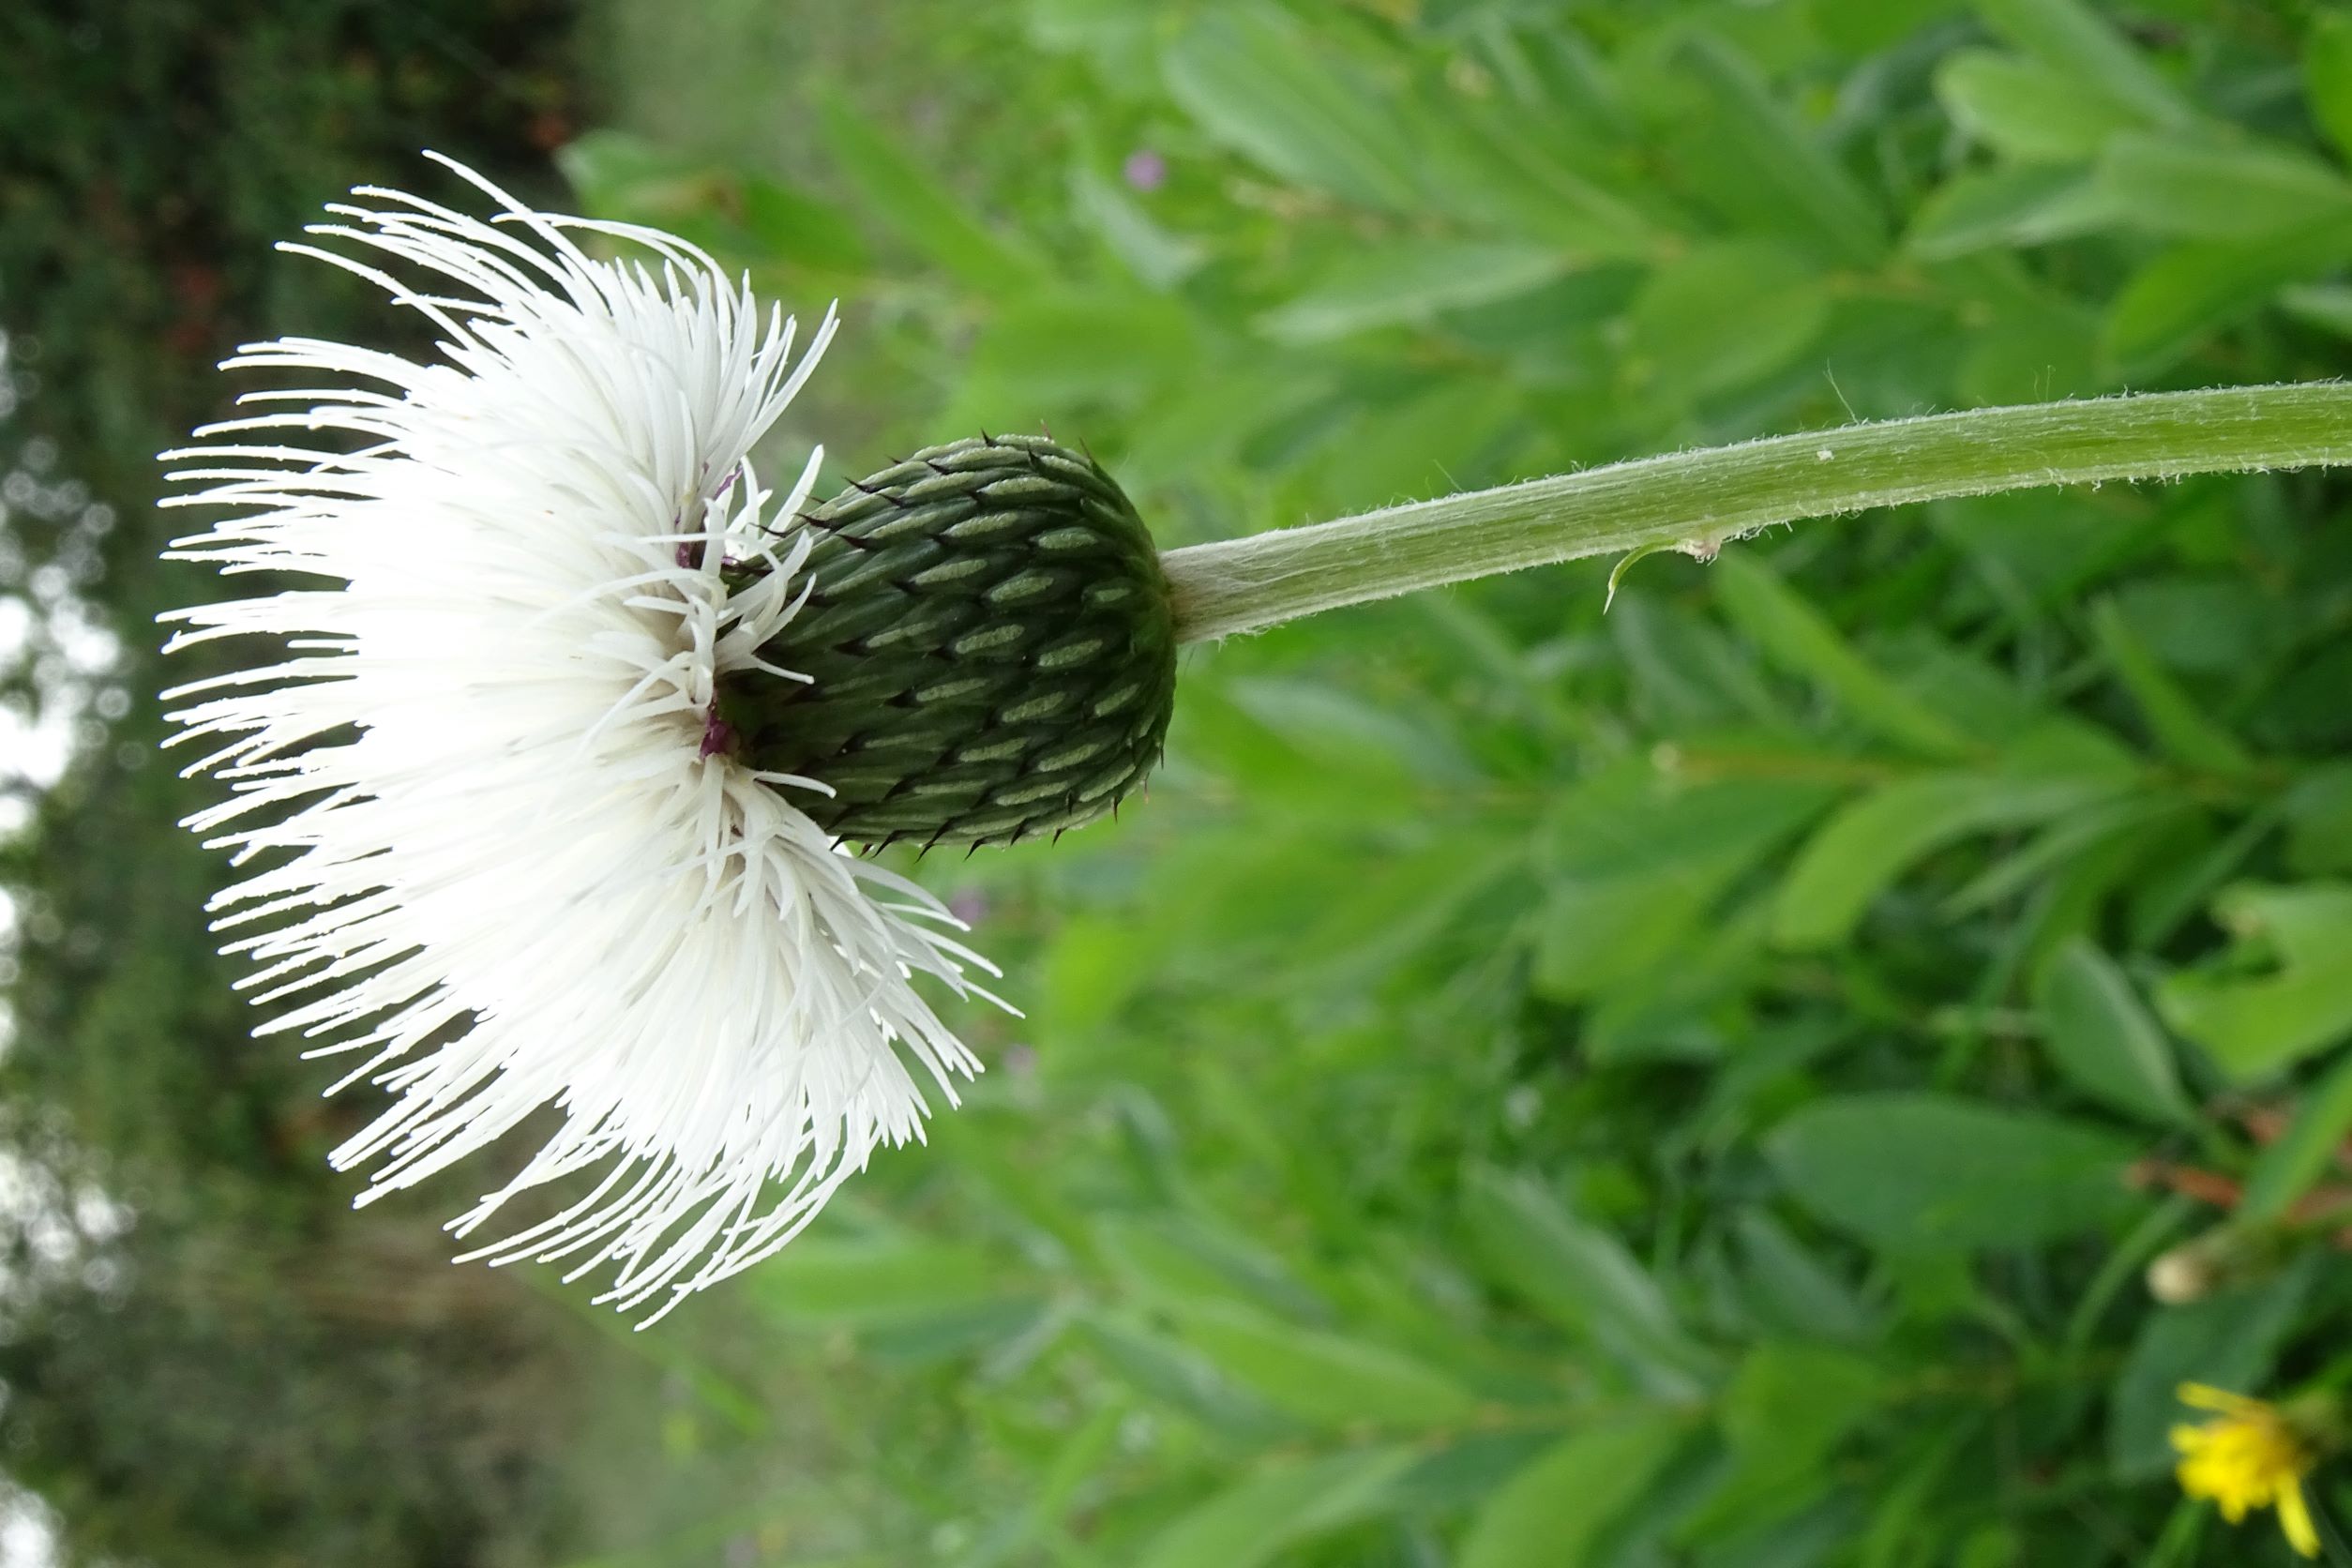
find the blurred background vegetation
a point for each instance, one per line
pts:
(1699, 1085)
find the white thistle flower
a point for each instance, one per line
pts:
(500, 847)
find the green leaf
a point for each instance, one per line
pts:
(2103, 1037)
(899, 192)
(1089, 974)
(1637, 863)
(1157, 257)
(1177, 1376)
(1409, 282)
(2019, 205)
(2088, 56)
(1671, 1009)
(2047, 348)
(1859, 27)
(1783, 1415)
(1012, 1328)
(2230, 1340)
(1401, 910)
(2324, 307)
(2320, 821)
(618, 176)
(908, 1299)
(1351, 735)
(1255, 82)
(820, 1279)
(1903, 1525)
(1723, 316)
(1578, 1274)
(1555, 1511)
(2206, 189)
(1326, 1380)
(1495, 173)
(1800, 1399)
(2289, 1167)
(2254, 1021)
(2172, 305)
(1063, 1472)
(1685, 669)
(1046, 357)
(1800, 640)
(2173, 716)
(1180, 1377)
(1419, 445)
(1859, 852)
(2027, 109)
(2064, 846)
(1800, 1292)
(2328, 76)
(1178, 1262)
(1757, 140)
(1250, 1522)
(1597, 935)
(793, 226)
(1457, 1473)
(1918, 1172)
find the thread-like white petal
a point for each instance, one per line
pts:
(487, 847)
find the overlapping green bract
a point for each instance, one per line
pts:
(989, 647)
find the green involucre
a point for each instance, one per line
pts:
(989, 648)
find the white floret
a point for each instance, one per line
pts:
(485, 845)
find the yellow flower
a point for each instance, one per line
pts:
(2251, 1456)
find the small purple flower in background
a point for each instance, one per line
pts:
(1145, 170)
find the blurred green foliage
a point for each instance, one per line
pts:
(1695, 1085)
(1692, 1085)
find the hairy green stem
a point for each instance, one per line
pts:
(1696, 500)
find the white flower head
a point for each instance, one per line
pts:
(497, 844)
